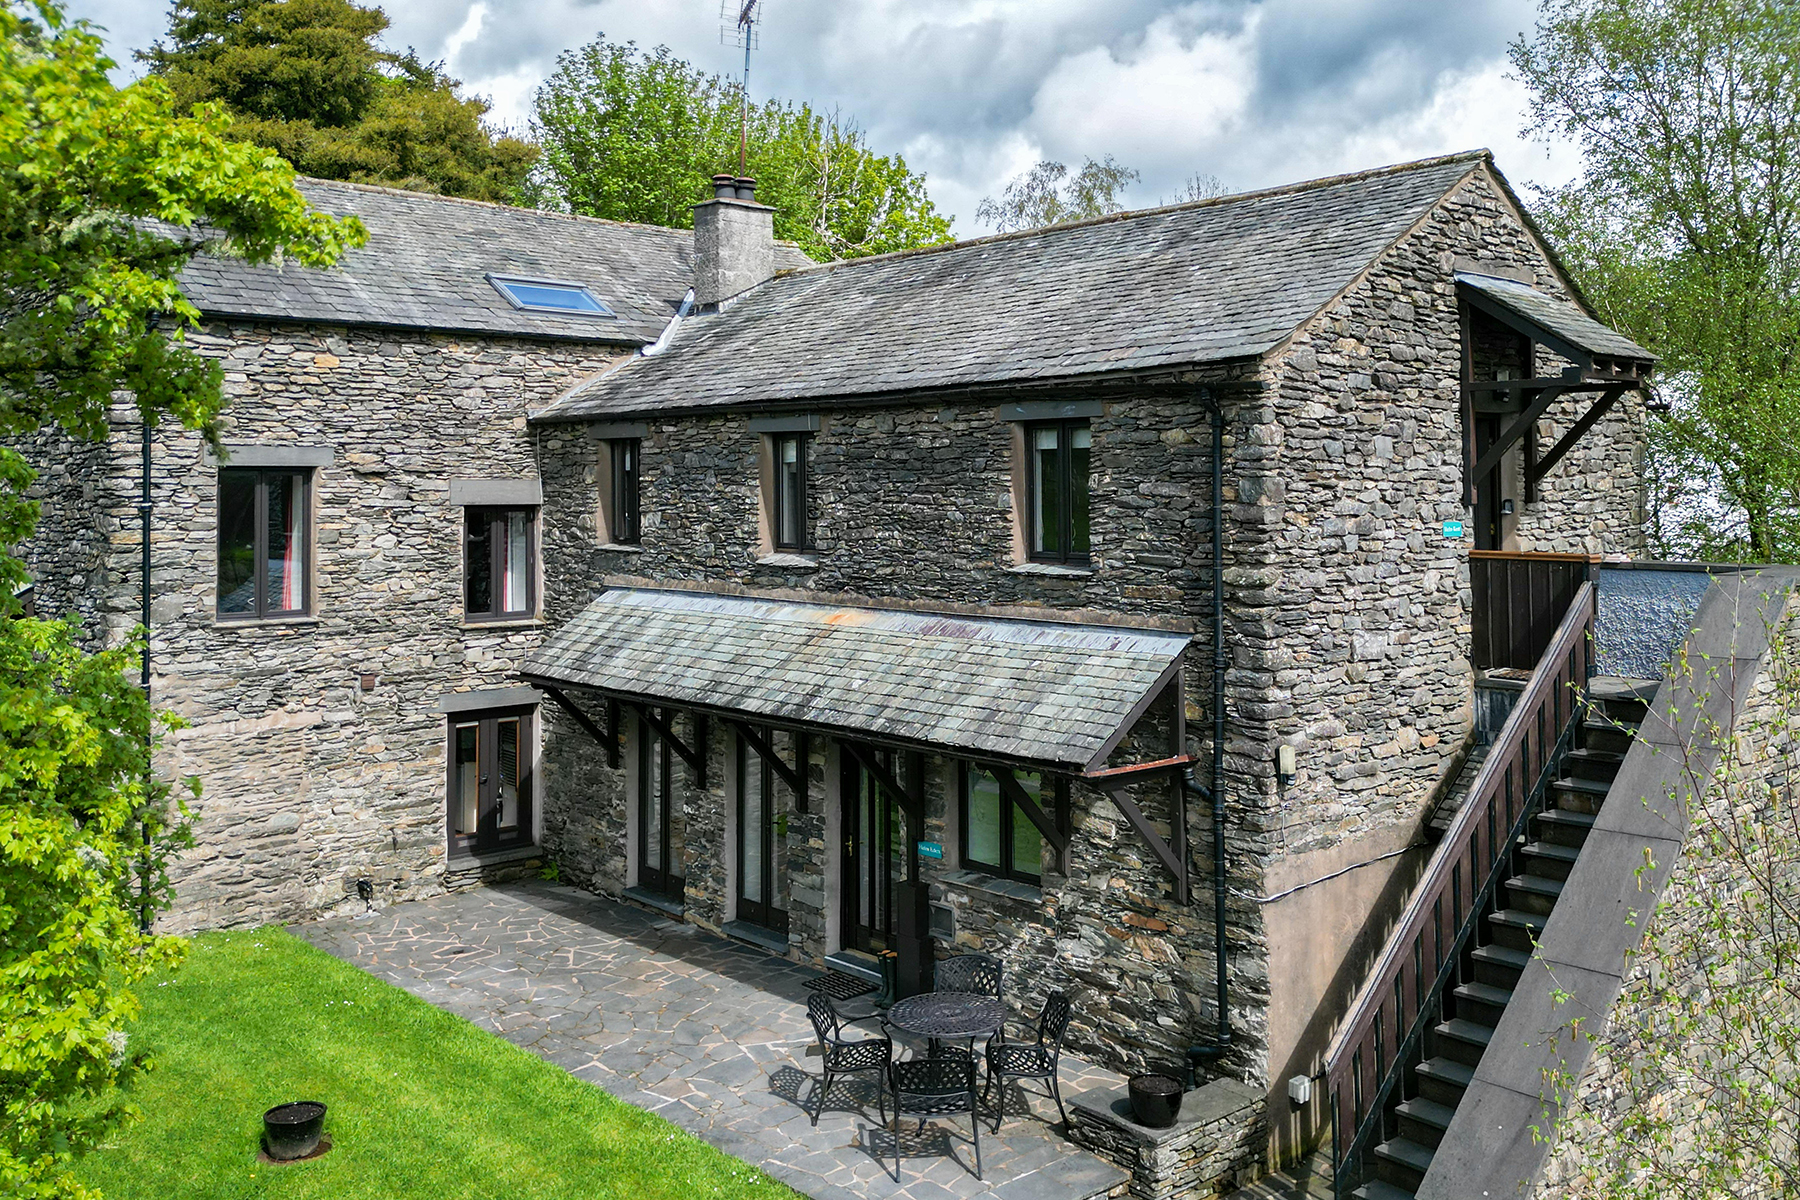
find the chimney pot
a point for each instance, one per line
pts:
(724, 187)
(745, 188)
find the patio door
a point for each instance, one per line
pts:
(490, 781)
(658, 857)
(1489, 534)
(761, 839)
(874, 842)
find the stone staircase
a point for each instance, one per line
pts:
(1455, 1045)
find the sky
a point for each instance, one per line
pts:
(973, 92)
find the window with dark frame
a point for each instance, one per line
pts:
(490, 781)
(996, 836)
(658, 801)
(1056, 468)
(627, 526)
(761, 839)
(499, 563)
(264, 543)
(790, 526)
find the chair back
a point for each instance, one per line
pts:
(824, 1018)
(926, 1086)
(1055, 1021)
(977, 973)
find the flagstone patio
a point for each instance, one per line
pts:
(708, 1033)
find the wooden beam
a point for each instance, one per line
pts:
(1015, 792)
(694, 758)
(1134, 816)
(1126, 773)
(914, 810)
(609, 741)
(1541, 468)
(1537, 408)
(794, 779)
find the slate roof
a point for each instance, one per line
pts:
(1024, 691)
(1565, 320)
(1219, 279)
(427, 261)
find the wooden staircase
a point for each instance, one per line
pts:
(1455, 1045)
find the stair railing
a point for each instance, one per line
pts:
(1428, 953)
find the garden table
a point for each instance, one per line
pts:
(948, 1015)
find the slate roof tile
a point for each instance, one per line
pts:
(1566, 320)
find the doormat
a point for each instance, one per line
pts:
(840, 986)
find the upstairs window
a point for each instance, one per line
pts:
(789, 509)
(1056, 464)
(499, 563)
(623, 514)
(996, 836)
(549, 295)
(263, 544)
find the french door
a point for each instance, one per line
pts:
(874, 844)
(761, 830)
(658, 857)
(490, 781)
(1488, 532)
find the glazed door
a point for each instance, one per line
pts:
(657, 858)
(761, 836)
(874, 841)
(1488, 534)
(490, 782)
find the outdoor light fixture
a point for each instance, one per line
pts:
(1286, 764)
(1300, 1091)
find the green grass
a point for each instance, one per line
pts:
(422, 1104)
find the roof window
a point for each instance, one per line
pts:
(549, 295)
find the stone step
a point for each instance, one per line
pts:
(1481, 1002)
(1548, 859)
(1423, 1120)
(1517, 930)
(1607, 736)
(1499, 966)
(1462, 1040)
(1443, 1080)
(1402, 1162)
(1375, 1189)
(1579, 795)
(1598, 765)
(1563, 827)
(1533, 893)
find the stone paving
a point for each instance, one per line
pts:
(707, 1033)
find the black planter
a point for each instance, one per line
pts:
(292, 1130)
(1155, 1099)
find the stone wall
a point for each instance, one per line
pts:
(1215, 1144)
(69, 557)
(315, 739)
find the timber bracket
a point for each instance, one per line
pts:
(1116, 782)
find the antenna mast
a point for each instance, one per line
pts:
(741, 22)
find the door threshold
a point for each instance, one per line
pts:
(854, 962)
(756, 935)
(656, 900)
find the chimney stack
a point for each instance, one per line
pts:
(734, 241)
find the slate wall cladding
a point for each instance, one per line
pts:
(312, 778)
(68, 557)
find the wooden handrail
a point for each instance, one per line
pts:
(1363, 1051)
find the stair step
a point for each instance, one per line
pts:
(1564, 827)
(1423, 1120)
(1481, 1002)
(1579, 795)
(1499, 965)
(1377, 1190)
(1462, 1039)
(1517, 930)
(1601, 734)
(1402, 1162)
(1550, 859)
(1598, 765)
(1533, 893)
(1443, 1079)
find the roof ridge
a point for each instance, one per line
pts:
(1305, 185)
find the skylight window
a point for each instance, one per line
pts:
(549, 295)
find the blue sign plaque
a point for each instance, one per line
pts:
(931, 850)
(1453, 529)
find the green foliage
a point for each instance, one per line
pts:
(104, 194)
(634, 136)
(1045, 195)
(1683, 231)
(308, 79)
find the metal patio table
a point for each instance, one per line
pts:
(948, 1016)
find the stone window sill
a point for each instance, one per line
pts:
(1055, 570)
(619, 548)
(248, 623)
(525, 623)
(980, 881)
(790, 562)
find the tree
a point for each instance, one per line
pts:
(1045, 195)
(1199, 186)
(635, 136)
(308, 79)
(104, 194)
(1683, 231)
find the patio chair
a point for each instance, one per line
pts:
(934, 1087)
(978, 973)
(1034, 1059)
(847, 1056)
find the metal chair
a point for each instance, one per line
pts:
(847, 1056)
(1034, 1059)
(977, 973)
(934, 1087)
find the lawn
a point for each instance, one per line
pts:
(422, 1104)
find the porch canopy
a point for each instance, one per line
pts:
(1035, 694)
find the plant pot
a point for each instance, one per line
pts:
(1155, 1099)
(292, 1130)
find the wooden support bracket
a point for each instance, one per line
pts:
(1526, 419)
(694, 757)
(1536, 471)
(1134, 816)
(608, 739)
(795, 779)
(1013, 791)
(911, 805)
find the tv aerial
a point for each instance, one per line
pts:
(740, 24)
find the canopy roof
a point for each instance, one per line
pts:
(1040, 693)
(1557, 323)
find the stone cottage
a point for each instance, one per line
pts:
(1097, 596)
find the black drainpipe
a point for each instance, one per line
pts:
(144, 509)
(1215, 793)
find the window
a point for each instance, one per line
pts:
(490, 781)
(549, 295)
(658, 857)
(499, 568)
(627, 528)
(789, 509)
(996, 836)
(263, 543)
(761, 838)
(1056, 464)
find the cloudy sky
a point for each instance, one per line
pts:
(1255, 92)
